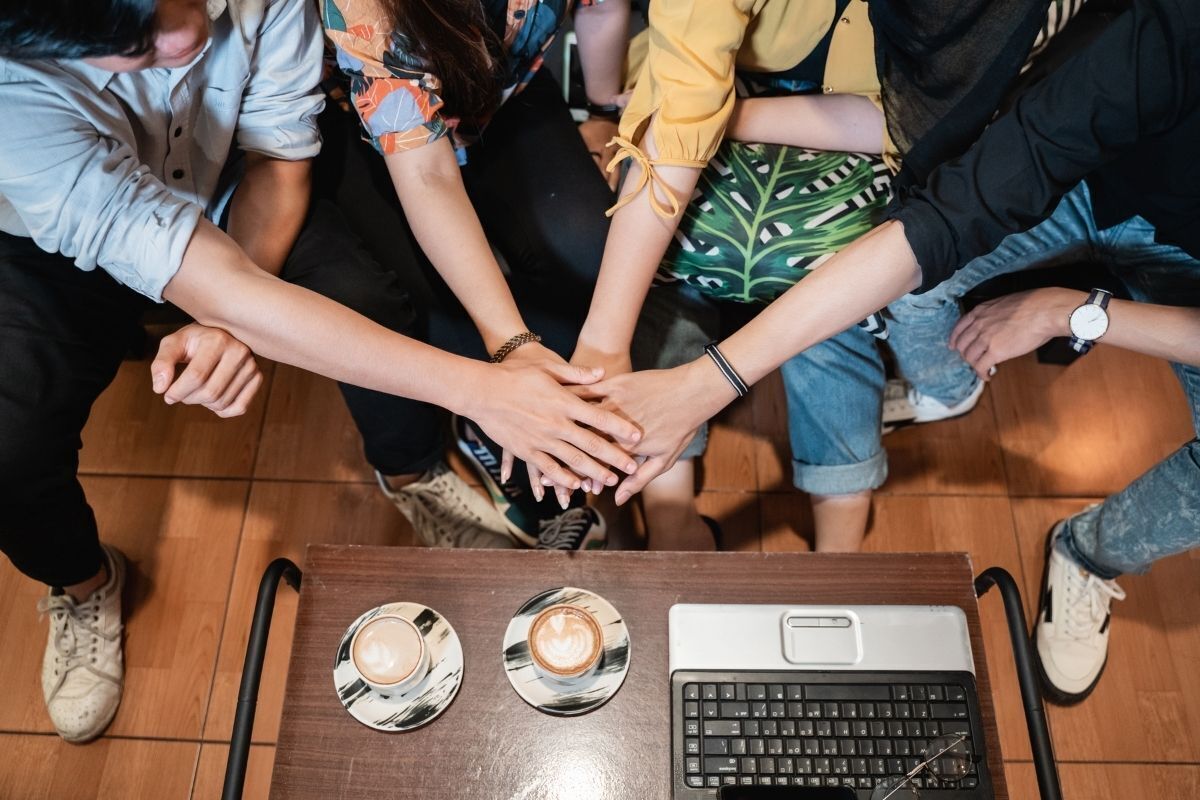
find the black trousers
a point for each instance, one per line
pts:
(63, 332)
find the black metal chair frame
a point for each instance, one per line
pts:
(282, 568)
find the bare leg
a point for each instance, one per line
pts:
(672, 520)
(840, 521)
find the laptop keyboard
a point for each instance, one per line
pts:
(819, 729)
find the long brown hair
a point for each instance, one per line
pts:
(456, 43)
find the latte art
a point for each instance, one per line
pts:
(387, 650)
(565, 640)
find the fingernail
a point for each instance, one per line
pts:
(622, 497)
(546, 481)
(505, 475)
(539, 493)
(159, 380)
(611, 480)
(564, 500)
(631, 467)
(597, 371)
(170, 402)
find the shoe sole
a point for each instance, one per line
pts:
(495, 493)
(1049, 690)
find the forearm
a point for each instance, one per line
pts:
(841, 122)
(603, 32)
(220, 287)
(268, 209)
(1168, 332)
(637, 240)
(858, 281)
(430, 188)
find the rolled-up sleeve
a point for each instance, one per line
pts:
(686, 85)
(88, 197)
(1125, 86)
(282, 100)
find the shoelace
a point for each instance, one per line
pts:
(68, 617)
(1087, 602)
(457, 529)
(562, 532)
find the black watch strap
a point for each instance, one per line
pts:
(608, 111)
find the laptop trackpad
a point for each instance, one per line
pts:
(825, 639)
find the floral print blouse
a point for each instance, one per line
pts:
(397, 98)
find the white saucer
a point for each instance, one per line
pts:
(422, 702)
(585, 694)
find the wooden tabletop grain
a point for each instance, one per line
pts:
(489, 743)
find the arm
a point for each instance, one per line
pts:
(268, 209)
(523, 408)
(842, 122)
(602, 29)
(679, 109)
(1011, 326)
(429, 184)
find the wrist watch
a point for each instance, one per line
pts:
(1090, 321)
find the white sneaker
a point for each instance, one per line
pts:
(904, 405)
(1072, 625)
(446, 512)
(83, 670)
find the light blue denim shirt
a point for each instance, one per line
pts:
(114, 170)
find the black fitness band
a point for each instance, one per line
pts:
(608, 111)
(727, 370)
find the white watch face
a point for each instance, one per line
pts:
(1089, 322)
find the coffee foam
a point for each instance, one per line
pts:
(564, 642)
(387, 650)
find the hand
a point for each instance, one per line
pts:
(1012, 326)
(597, 133)
(535, 354)
(221, 372)
(527, 410)
(670, 405)
(613, 364)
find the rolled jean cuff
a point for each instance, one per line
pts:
(1067, 545)
(842, 478)
(697, 445)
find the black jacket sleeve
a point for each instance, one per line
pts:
(1130, 83)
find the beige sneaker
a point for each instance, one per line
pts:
(83, 669)
(446, 512)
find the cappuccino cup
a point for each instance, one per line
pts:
(390, 654)
(565, 643)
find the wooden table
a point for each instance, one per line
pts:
(489, 744)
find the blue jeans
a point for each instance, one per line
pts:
(838, 380)
(1159, 513)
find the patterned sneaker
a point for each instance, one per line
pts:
(575, 529)
(513, 500)
(903, 404)
(446, 512)
(1072, 625)
(83, 670)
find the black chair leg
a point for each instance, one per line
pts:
(256, 651)
(1035, 713)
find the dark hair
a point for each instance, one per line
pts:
(457, 44)
(31, 29)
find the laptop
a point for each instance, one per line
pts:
(821, 696)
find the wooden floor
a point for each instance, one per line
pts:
(201, 505)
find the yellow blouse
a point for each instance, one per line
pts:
(694, 49)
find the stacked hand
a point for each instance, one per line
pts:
(563, 440)
(1012, 326)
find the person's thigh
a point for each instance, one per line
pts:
(541, 201)
(63, 333)
(400, 436)
(835, 402)
(921, 323)
(675, 324)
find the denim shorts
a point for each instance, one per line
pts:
(827, 386)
